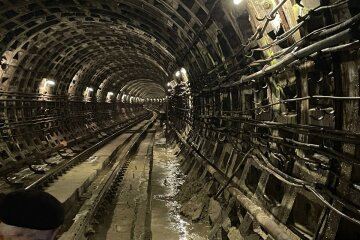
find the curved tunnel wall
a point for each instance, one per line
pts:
(280, 116)
(279, 78)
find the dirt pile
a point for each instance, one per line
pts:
(194, 199)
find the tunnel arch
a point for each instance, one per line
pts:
(143, 88)
(92, 54)
(276, 80)
(40, 16)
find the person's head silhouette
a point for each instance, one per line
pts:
(30, 215)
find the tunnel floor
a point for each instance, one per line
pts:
(145, 206)
(167, 177)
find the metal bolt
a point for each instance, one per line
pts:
(267, 5)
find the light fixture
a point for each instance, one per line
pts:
(169, 84)
(237, 2)
(3, 64)
(90, 89)
(177, 74)
(110, 93)
(49, 82)
(183, 70)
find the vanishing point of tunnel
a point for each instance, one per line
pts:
(182, 119)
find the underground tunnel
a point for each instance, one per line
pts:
(184, 119)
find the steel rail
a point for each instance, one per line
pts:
(21, 163)
(78, 230)
(80, 157)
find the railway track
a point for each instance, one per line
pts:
(103, 187)
(108, 192)
(97, 189)
(28, 179)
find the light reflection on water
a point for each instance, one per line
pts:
(172, 180)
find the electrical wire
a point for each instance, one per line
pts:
(234, 173)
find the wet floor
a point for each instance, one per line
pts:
(167, 177)
(145, 206)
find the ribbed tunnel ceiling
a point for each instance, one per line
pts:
(265, 92)
(105, 44)
(102, 44)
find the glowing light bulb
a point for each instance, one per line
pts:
(177, 74)
(50, 82)
(90, 89)
(237, 2)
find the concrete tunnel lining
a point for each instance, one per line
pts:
(277, 76)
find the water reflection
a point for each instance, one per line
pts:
(171, 180)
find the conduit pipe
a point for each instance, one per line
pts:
(333, 30)
(318, 46)
(276, 230)
(328, 42)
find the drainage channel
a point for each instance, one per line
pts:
(168, 221)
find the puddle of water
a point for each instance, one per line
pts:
(170, 179)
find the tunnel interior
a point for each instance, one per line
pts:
(261, 96)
